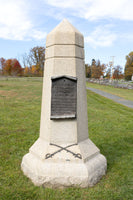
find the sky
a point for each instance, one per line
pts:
(107, 26)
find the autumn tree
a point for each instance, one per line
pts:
(37, 56)
(93, 69)
(97, 69)
(16, 68)
(12, 67)
(88, 70)
(27, 71)
(108, 73)
(103, 69)
(7, 67)
(129, 66)
(35, 60)
(117, 74)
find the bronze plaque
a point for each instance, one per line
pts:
(64, 97)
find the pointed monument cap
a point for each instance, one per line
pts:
(65, 33)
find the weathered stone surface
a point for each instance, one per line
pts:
(63, 156)
(63, 170)
(65, 33)
(70, 51)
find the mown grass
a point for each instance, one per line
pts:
(124, 93)
(110, 128)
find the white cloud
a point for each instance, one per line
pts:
(101, 36)
(38, 35)
(96, 9)
(17, 16)
(118, 9)
(68, 3)
(15, 22)
(127, 36)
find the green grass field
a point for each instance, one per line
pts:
(110, 128)
(124, 93)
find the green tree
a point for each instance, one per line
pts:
(128, 72)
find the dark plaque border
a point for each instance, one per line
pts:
(63, 97)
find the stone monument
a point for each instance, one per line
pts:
(63, 156)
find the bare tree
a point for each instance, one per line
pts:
(36, 58)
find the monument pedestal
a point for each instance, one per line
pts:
(64, 169)
(63, 156)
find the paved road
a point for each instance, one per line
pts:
(113, 97)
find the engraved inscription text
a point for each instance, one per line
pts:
(64, 98)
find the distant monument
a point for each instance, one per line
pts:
(63, 156)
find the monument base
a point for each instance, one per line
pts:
(62, 168)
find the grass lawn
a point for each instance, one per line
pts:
(124, 93)
(110, 128)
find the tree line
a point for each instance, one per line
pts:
(98, 71)
(33, 65)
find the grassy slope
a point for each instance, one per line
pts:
(124, 93)
(110, 128)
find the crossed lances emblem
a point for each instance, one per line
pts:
(76, 155)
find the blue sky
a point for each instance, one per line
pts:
(107, 26)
